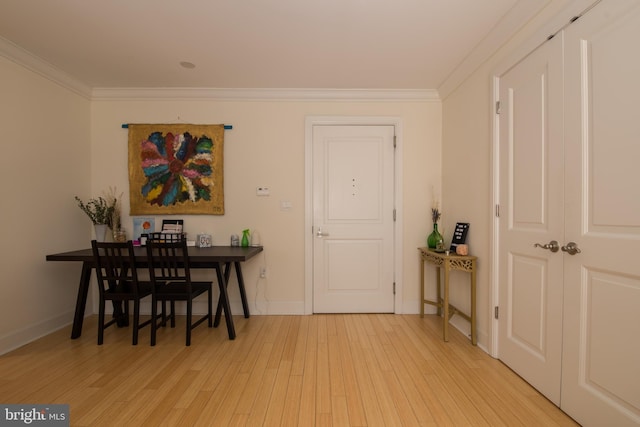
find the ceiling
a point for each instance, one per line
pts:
(325, 44)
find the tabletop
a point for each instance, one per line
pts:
(196, 254)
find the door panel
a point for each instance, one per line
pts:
(353, 250)
(531, 198)
(600, 372)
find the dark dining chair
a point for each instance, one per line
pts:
(170, 276)
(118, 282)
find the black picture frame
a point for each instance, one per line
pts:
(172, 226)
(459, 235)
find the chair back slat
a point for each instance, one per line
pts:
(168, 261)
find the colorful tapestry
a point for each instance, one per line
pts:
(176, 169)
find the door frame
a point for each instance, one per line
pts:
(310, 122)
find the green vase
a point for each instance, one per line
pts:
(434, 238)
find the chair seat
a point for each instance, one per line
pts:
(124, 290)
(178, 290)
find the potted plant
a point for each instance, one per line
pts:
(100, 212)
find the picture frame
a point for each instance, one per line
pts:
(143, 225)
(459, 235)
(172, 226)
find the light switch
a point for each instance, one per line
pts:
(285, 205)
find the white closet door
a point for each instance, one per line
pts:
(531, 201)
(601, 352)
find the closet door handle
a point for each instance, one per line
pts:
(571, 248)
(552, 246)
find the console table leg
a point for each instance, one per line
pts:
(438, 293)
(421, 287)
(474, 337)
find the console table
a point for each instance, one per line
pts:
(449, 262)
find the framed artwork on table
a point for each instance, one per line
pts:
(459, 235)
(143, 226)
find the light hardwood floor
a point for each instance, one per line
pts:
(323, 370)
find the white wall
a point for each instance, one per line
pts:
(266, 148)
(44, 163)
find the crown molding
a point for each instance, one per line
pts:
(509, 25)
(15, 53)
(239, 94)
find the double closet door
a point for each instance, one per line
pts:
(569, 233)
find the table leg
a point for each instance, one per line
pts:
(243, 293)
(445, 304)
(223, 303)
(227, 276)
(81, 301)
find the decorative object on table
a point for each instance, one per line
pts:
(255, 239)
(435, 240)
(204, 240)
(245, 238)
(462, 249)
(115, 200)
(176, 169)
(142, 227)
(172, 230)
(100, 213)
(459, 236)
(235, 240)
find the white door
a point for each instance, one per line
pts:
(601, 353)
(353, 202)
(531, 211)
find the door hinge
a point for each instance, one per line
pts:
(394, 288)
(394, 141)
(495, 312)
(498, 211)
(394, 215)
(497, 107)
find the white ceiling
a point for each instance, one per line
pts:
(322, 44)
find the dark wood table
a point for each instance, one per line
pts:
(214, 257)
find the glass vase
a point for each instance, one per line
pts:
(119, 235)
(435, 240)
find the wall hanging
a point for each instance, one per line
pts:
(176, 169)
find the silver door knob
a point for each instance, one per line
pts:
(319, 233)
(552, 246)
(571, 248)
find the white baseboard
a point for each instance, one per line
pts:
(31, 333)
(24, 336)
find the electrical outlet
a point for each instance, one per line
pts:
(263, 272)
(262, 191)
